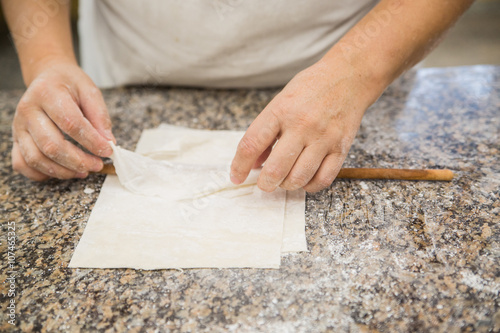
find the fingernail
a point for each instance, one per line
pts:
(97, 166)
(109, 135)
(81, 175)
(234, 180)
(107, 152)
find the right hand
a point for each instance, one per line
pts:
(60, 99)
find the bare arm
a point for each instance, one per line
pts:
(41, 32)
(316, 116)
(59, 99)
(396, 35)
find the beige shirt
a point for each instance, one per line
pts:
(209, 43)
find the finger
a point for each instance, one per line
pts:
(51, 143)
(95, 110)
(263, 157)
(66, 114)
(304, 168)
(259, 136)
(326, 173)
(280, 162)
(36, 161)
(19, 165)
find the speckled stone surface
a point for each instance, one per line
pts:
(388, 256)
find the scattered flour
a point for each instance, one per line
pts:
(88, 190)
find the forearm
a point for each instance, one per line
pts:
(393, 37)
(42, 33)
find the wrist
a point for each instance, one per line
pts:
(32, 68)
(367, 82)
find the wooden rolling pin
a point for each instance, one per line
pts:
(367, 173)
(400, 174)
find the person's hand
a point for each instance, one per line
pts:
(314, 120)
(61, 99)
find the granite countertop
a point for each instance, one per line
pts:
(383, 255)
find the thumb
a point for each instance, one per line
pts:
(94, 109)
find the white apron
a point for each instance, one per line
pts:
(209, 43)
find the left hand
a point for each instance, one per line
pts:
(314, 120)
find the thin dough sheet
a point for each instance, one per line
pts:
(212, 148)
(195, 218)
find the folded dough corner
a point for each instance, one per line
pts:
(172, 205)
